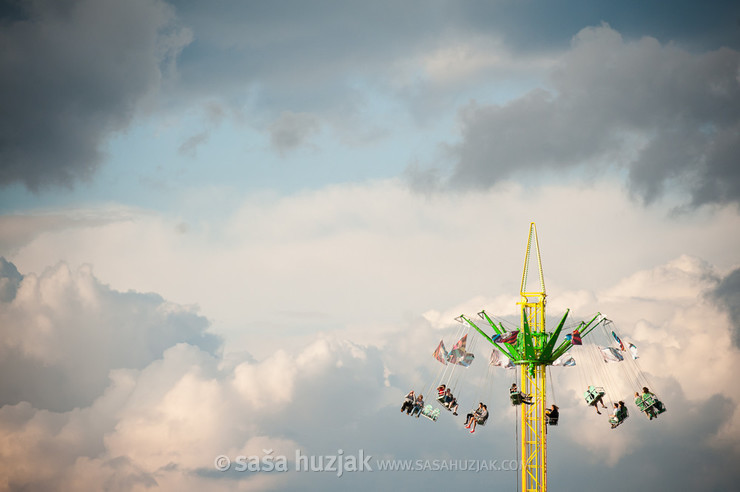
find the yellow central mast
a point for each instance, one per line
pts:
(532, 375)
(532, 350)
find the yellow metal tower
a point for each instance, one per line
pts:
(532, 349)
(532, 373)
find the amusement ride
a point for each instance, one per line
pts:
(530, 350)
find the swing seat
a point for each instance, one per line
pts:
(551, 420)
(444, 405)
(481, 421)
(515, 397)
(620, 417)
(644, 401)
(431, 413)
(659, 407)
(442, 401)
(592, 394)
(650, 404)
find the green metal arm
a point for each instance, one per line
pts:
(483, 334)
(586, 327)
(547, 350)
(500, 331)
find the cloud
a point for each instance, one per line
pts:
(330, 303)
(74, 73)
(213, 115)
(669, 117)
(95, 66)
(304, 58)
(161, 425)
(10, 279)
(277, 257)
(17, 230)
(64, 331)
(533, 26)
(297, 55)
(190, 145)
(728, 296)
(291, 130)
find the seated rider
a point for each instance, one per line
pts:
(619, 414)
(552, 414)
(418, 406)
(518, 397)
(441, 392)
(481, 418)
(451, 402)
(659, 407)
(614, 410)
(649, 401)
(408, 403)
(613, 418)
(473, 415)
(447, 396)
(598, 399)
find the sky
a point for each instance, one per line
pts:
(242, 228)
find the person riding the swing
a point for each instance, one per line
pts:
(418, 406)
(473, 415)
(408, 403)
(552, 415)
(517, 397)
(441, 390)
(477, 417)
(620, 413)
(450, 401)
(649, 403)
(597, 396)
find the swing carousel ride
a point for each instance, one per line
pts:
(528, 350)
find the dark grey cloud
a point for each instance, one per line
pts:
(296, 43)
(73, 72)
(668, 116)
(291, 130)
(728, 296)
(10, 279)
(302, 57)
(77, 71)
(541, 25)
(298, 56)
(63, 332)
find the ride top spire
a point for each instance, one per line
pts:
(526, 290)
